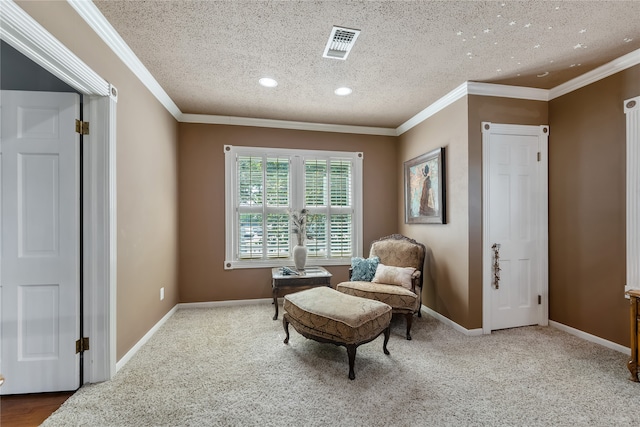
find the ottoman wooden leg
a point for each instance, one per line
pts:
(387, 333)
(351, 351)
(285, 325)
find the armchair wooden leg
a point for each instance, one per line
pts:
(409, 317)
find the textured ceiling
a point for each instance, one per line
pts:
(209, 55)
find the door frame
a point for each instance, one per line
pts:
(542, 187)
(99, 263)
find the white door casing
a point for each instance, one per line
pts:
(40, 222)
(515, 219)
(27, 36)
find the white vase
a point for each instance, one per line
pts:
(299, 256)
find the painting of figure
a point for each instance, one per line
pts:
(424, 188)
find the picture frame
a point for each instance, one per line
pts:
(425, 188)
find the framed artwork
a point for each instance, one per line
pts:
(424, 189)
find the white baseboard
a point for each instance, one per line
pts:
(212, 304)
(449, 322)
(424, 309)
(144, 339)
(585, 336)
(171, 312)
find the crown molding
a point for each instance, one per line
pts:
(474, 88)
(18, 29)
(506, 91)
(606, 70)
(92, 15)
(432, 109)
(96, 20)
(283, 124)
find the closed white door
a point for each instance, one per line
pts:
(516, 231)
(40, 259)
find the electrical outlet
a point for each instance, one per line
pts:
(161, 294)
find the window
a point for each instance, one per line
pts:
(263, 184)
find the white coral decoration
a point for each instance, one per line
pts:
(299, 225)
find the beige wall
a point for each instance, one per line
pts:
(495, 110)
(587, 191)
(201, 189)
(455, 290)
(586, 188)
(147, 179)
(446, 268)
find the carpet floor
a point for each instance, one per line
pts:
(228, 366)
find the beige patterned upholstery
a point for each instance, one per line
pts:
(396, 296)
(325, 315)
(336, 316)
(399, 251)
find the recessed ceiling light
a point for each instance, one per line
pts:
(268, 82)
(343, 91)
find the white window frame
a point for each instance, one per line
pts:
(632, 113)
(232, 152)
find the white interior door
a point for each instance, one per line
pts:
(40, 259)
(515, 235)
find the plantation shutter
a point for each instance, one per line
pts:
(263, 199)
(264, 186)
(328, 198)
(341, 208)
(277, 218)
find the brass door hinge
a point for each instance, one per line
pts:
(82, 345)
(82, 127)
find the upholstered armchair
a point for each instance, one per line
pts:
(392, 274)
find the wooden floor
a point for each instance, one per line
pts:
(27, 410)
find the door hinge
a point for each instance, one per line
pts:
(82, 345)
(82, 127)
(539, 156)
(539, 299)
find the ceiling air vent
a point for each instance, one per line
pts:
(340, 42)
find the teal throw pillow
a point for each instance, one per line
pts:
(363, 269)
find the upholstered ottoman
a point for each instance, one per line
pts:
(325, 315)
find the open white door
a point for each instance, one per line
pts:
(40, 256)
(515, 226)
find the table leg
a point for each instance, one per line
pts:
(632, 365)
(285, 325)
(275, 302)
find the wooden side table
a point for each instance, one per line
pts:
(634, 362)
(310, 277)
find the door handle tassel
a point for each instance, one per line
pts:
(496, 265)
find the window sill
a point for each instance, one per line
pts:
(236, 265)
